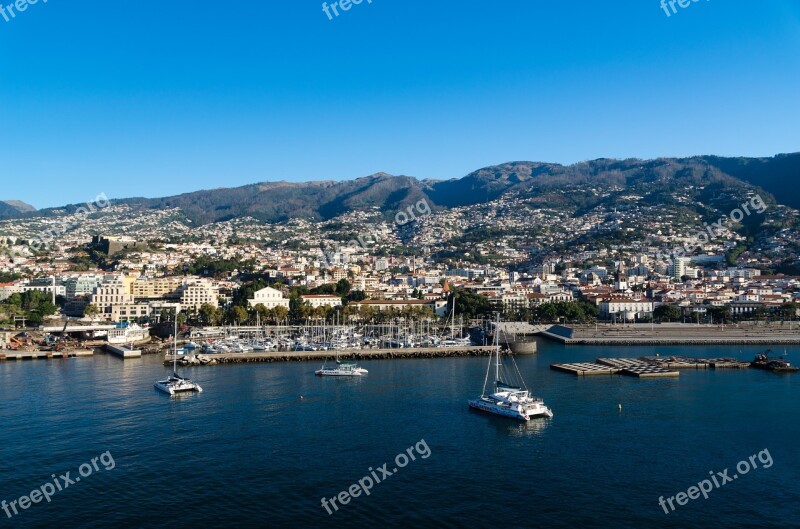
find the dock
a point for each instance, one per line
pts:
(585, 369)
(345, 354)
(647, 366)
(123, 351)
(45, 355)
(617, 366)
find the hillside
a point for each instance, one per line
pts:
(604, 182)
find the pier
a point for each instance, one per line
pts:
(344, 354)
(44, 355)
(123, 351)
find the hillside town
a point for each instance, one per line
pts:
(125, 266)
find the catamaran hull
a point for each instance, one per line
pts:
(171, 389)
(488, 407)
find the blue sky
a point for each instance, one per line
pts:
(157, 98)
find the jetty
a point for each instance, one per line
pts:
(344, 354)
(44, 355)
(124, 351)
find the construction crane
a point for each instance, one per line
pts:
(59, 345)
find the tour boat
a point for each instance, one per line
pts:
(342, 369)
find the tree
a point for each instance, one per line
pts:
(237, 315)
(470, 305)
(90, 311)
(343, 287)
(668, 313)
(356, 295)
(280, 313)
(209, 314)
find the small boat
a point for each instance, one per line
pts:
(776, 365)
(342, 369)
(508, 400)
(175, 383)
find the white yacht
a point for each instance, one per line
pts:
(507, 400)
(342, 369)
(175, 383)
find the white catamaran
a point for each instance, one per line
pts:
(508, 400)
(176, 383)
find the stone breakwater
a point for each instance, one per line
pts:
(347, 354)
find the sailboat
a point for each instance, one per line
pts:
(176, 383)
(508, 400)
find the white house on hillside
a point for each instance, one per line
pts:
(269, 297)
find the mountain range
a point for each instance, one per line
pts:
(653, 180)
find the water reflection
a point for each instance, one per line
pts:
(513, 427)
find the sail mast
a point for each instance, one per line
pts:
(175, 346)
(497, 351)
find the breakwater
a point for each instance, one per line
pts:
(345, 354)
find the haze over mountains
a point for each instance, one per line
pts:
(651, 180)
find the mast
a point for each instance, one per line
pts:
(497, 351)
(175, 346)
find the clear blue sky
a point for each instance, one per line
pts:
(157, 98)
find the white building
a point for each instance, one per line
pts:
(198, 292)
(109, 294)
(269, 297)
(625, 308)
(321, 300)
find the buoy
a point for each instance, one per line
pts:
(620, 407)
(301, 397)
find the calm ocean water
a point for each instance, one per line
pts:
(249, 452)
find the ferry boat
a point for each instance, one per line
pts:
(508, 400)
(342, 369)
(127, 333)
